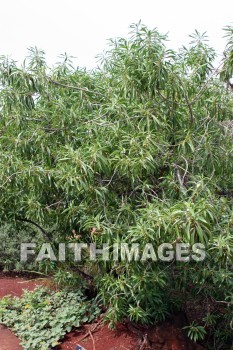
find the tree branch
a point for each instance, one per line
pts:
(74, 87)
(45, 234)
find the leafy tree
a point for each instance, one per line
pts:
(138, 150)
(227, 69)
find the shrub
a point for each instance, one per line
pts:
(134, 151)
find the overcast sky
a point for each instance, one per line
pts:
(81, 27)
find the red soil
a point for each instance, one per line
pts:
(8, 340)
(15, 286)
(168, 336)
(104, 339)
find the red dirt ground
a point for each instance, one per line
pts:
(8, 340)
(168, 336)
(104, 339)
(15, 286)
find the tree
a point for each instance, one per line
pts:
(134, 151)
(227, 69)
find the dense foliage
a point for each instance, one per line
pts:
(41, 318)
(139, 150)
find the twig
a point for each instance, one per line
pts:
(91, 330)
(109, 182)
(188, 103)
(33, 280)
(35, 224)
(75, 87)
(144, 342)
(92, 338)
(216, 71)
(186, 170)
(180, 180)
(53, 204)
(10, 177)
(224, 302)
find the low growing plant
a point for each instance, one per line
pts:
(195, 332)
(41, 318)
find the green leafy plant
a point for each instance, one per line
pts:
(195, 332)
(11, 236)
(41, 318)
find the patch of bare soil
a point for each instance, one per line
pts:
(167, 336)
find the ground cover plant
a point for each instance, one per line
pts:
(137, 151)
(41, 318)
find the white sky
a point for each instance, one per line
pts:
(81, 27)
